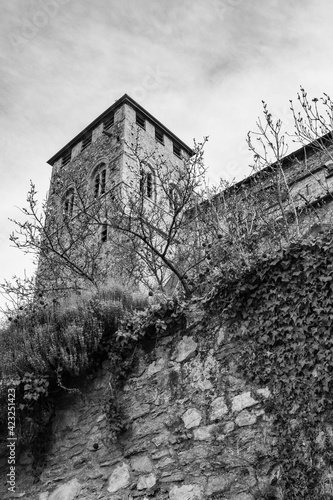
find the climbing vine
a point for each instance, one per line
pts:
(282, 312)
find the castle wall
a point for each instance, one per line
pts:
(194, 428)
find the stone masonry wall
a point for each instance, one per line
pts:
(195, 429)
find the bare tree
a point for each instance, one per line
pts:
(136, 230)
(299, 184)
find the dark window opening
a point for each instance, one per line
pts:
(328, 170)
(142, 182)
(150, 185)
(68, 205)
(176, 149)
(159, 136)
(96, 186)
(140, 120)
(100, 183)
(108, 121)
(173, 198)
(67, 157)
(104, 233)
(86, 141)
(103, 179)
(146, 184)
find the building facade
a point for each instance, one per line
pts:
(127, 155)
(123, 151)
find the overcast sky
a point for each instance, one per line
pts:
(201, 67)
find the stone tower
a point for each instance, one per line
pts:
(101, 158)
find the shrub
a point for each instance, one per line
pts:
(47, 341)
(50, 335)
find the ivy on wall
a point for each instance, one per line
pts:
(285, 309)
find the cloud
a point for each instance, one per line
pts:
(200, 66)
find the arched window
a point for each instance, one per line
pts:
(68, 203)
(147, 184)
(99, 180)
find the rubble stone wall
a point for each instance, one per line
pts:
(194, 429)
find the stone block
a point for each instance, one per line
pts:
(66, 491)
(198, 453)
(76, 150)
(164, 462)
(245, 418)
(265, 392)
(161, 439)
(243, 496)
(120, 478)
(43, 496)
(146, 482)
(148, 426)
(160, 453)
(219, 483)
(242, 401)
(220, 336)
(228, 427)
(203, 433)
(171, 477)
(97, 132)
(156, 367)
(218, 409)
(185, 350)
(141, 463)
(191, 418)
(186, 492)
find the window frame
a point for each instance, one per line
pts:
(99, 179)
(159, 135)
(147, 184)
(104, 233)
(140, 120)
(177, 150)
(67, 203)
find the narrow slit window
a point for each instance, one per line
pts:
(102, 181)
(140, 120)
(142, 182)
(159, 136)
(99, 181)
(176, 149)
(68, 204)
(96, 186)
(149, 183)
(104, 233)
(67, 157)
(86, 141)
(173, 198)
(108, 121)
